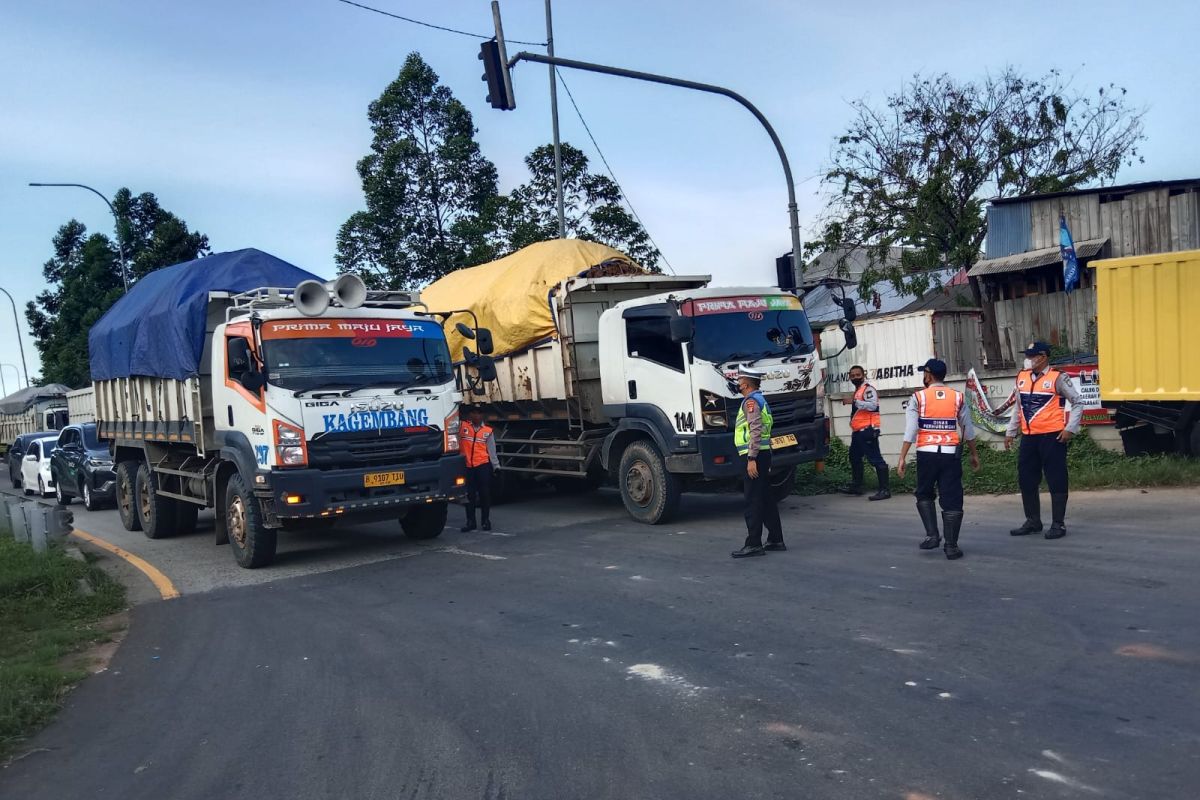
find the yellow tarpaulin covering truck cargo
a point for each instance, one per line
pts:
(1149, 344)
(511, 296)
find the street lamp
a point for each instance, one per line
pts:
(17, 322)
(116, 220)
(3, 383)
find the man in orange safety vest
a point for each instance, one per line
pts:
(477, 442)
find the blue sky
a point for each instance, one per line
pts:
(247, 118)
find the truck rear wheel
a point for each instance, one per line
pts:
(783, 483)
(650, 493)
(425, 521)
(156, 513)
(253, 542)
(127, 495)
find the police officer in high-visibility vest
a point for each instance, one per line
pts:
(933, 419)
(477, 442)
(1045, 427)
(752, 437)
(864, 436)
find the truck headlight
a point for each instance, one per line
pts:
(450, 433)
(290, 446)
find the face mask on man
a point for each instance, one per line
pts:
(858, 382)
(1029, 363)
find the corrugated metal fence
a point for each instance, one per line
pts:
(1056, 318)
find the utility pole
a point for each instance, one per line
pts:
(558, 187)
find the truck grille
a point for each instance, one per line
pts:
(373, 449)
(787, 408)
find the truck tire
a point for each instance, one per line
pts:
(127, 495)
(650, 493)
(424, 521)
(61, 495)
(783, 483)
(156, 512)
(253, 542)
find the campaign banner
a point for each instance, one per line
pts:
(1087, 380)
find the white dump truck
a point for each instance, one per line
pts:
(241, 383)
(629, 377)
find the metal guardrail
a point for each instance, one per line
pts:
(34, 523)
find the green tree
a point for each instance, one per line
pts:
(918, 172)
(429, 191)
(84, 279)
(592, 204)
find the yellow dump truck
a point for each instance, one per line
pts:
(1148, 318)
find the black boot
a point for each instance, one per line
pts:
(1058, 513)
(1033, 514)
(951, 524)
(929, 518)
(470, 526)
(884, 491)
(852, 489)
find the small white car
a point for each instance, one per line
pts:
(35, 467)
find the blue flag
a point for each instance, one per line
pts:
(1070, 263)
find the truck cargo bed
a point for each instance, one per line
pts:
(153, 409)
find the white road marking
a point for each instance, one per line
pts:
(458, 552)
(655, 673)
(1064, 780)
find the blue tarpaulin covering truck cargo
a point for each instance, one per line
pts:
(242, 383)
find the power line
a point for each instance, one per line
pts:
(435, 27)
(611, 174)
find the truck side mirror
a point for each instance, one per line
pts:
(464, 330)
(849, 311)
(847, 329)
(680, 329)
(484, 338)
(486, 366)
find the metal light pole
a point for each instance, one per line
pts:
(4, 383)
(793, 213)
(116, 221)
(20, 342)
(558, 187)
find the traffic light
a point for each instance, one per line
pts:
(495, 74)
(784, 272)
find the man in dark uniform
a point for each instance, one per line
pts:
(752, 437)
(864, 435)
(933, 419)
(1045, 427)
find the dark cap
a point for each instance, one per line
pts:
(936, 366)
(1037, 347)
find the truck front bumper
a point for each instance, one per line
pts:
(309, 493)
(718, 458)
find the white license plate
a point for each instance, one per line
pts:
(787, 440)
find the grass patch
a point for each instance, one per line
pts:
(44, 617)
(1091, 467)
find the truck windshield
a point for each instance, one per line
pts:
(305, 354)
(748, 327)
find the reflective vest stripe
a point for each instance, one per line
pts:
(860, 418)
(938, 408)
(741, 430)
(1042, 408)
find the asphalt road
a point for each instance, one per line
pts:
(583, 656)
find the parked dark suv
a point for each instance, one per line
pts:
(16, 454)
(83, 467)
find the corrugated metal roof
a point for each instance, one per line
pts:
(1145, 186)
(825, 267)
(1088, 248)
(1009, 230)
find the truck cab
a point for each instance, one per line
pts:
(669, 364)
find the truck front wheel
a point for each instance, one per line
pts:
(650, 493)
(253, 542)
(156, 513)
(127, 495)
(424, 521)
